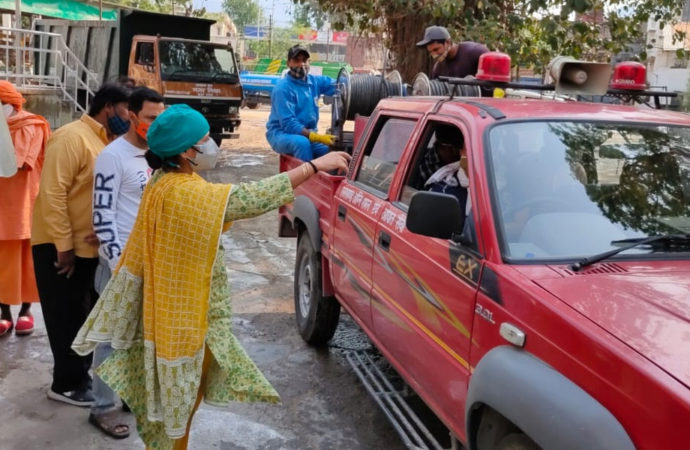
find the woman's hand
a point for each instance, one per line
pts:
(333, 161)
(337, 161)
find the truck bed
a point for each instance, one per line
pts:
(320, 188)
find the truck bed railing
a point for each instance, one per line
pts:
(41, 60)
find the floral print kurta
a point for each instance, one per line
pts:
(231, 376)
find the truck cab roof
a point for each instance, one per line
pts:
(521, 109)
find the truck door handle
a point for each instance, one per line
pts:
(384, 240)
(342, 212)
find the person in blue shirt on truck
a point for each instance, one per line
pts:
(292, 125)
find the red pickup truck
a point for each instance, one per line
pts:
(551, 307)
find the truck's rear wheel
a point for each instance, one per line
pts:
(317, 316)
(252, 105)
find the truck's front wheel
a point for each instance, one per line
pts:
(317, 316)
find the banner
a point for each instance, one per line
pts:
(255, 32)
(308, 35)
(340, 37)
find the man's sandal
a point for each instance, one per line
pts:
(25, 325)
(5, 326)
(110, 424)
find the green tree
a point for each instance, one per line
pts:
(281, 40)
(530, 31)
(243, 12)
(309, 14)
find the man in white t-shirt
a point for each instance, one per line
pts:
(120, 175)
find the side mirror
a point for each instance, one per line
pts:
(435, 214)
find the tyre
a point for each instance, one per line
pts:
(495, 432)
(252, 105)
(317, 316)
(517, 441)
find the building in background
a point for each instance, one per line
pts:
(664, 67)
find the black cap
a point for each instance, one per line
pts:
(448, 134)
(434, 33)
(296, 50)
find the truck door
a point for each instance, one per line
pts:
(424, 289)
(143, 66)
(359, 203)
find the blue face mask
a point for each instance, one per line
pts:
(117, 125)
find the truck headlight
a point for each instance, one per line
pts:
(233, 110)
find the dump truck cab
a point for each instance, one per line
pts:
(199, 73)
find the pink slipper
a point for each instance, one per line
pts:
(25, 325)
(5, 326)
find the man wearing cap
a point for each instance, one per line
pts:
(291, 127)
(457, 60)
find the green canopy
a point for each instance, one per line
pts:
(68, 9)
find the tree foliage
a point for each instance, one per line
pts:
(275, 47)
(309, 14)
(243, 12)
(163, 6)
(530, 31)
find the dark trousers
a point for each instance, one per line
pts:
(66, 302)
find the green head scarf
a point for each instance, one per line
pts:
(175, 130)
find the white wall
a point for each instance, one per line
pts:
(673, 79)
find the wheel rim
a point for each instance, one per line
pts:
(305, 288)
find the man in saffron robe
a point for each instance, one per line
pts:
(17, 282)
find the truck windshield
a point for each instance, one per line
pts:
(197, 61)
(564, 190)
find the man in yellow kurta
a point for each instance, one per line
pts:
(64, 259)
(166, 309)
(17, 282)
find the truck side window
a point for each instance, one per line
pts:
(443, 144)
(383, 152)
(144, 54)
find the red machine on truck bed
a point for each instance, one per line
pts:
(553, 310)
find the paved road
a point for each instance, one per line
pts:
(323, 404)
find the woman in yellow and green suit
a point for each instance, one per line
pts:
(166, 309)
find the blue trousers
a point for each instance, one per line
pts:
(296, 145)
(103, 397)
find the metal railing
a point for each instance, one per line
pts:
(41, 60)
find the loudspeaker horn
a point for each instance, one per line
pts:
(572, 76)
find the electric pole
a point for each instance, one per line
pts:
(270, 34)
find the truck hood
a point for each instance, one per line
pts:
(647, 309)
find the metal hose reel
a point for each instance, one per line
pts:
(422, 85)
(358, 94)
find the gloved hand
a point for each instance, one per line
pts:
(327, 139)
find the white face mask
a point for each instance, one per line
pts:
(206, 155)
(439, 57)
(7, 110)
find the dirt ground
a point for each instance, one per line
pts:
(253, 129)
(324, 406)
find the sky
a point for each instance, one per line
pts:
(281, 9)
